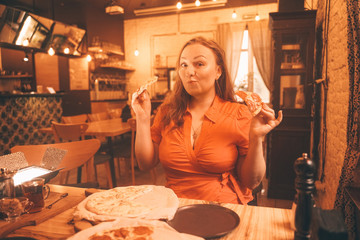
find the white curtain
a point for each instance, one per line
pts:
(229, 37)
(260, 37)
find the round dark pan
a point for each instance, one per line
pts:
(205, 220)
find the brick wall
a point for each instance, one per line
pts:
(338, 95)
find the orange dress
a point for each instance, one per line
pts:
(206, 172)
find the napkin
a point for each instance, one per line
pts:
(52, 157)
(13, 161)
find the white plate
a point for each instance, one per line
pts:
(162, 231)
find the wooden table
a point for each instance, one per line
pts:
(105, 128)
(256, 223)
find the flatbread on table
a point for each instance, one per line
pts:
(143, 201)
(131, 229)
(252, 101)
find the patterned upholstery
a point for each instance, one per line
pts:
(21, 116)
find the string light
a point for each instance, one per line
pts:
(66, 50)
(197, 3)
(51, 51)
(179, 5)
(234, 15)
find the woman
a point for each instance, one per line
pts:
(210, 145)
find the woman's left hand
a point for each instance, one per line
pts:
(264, 122)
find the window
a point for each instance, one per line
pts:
(248, 77)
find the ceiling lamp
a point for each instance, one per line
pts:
(185, 7)
(257, 17)
(114, 8)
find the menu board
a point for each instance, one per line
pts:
(79, 74)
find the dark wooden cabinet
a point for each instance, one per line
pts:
(293, 36)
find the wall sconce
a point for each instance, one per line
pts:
(234, 15)
(179, 5)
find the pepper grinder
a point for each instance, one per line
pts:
(304, 184)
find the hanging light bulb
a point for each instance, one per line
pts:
(179, 5)
(197, 3)
(136, 52)
(51, 51)
(88, 58)
(257, 17)
(66, 50)
(26, 42)
(234, 15)
(26, 58)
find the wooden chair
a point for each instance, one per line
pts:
(132, 123)
(72, 132)
(81, 118)
(115, 113)
(65, 132)
(98, 116)
(79, 154)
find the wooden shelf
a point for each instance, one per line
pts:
(107, 51)
(15, 76)
(125, 68)
(292, 71)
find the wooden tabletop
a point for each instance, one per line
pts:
(256, 223)
(105, 128)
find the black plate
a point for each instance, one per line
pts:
(205, 220)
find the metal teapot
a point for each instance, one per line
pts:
(7, 188)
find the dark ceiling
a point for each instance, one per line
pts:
(131, 5)
(128, 5)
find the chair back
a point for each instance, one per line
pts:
(115, 113)
(78, 152)
(98, 116)
(81, 118)
(69, 131)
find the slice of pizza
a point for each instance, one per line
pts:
(252, 101)
(128, 233)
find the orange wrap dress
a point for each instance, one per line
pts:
(206, 172)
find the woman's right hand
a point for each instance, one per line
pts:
(141, 104)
